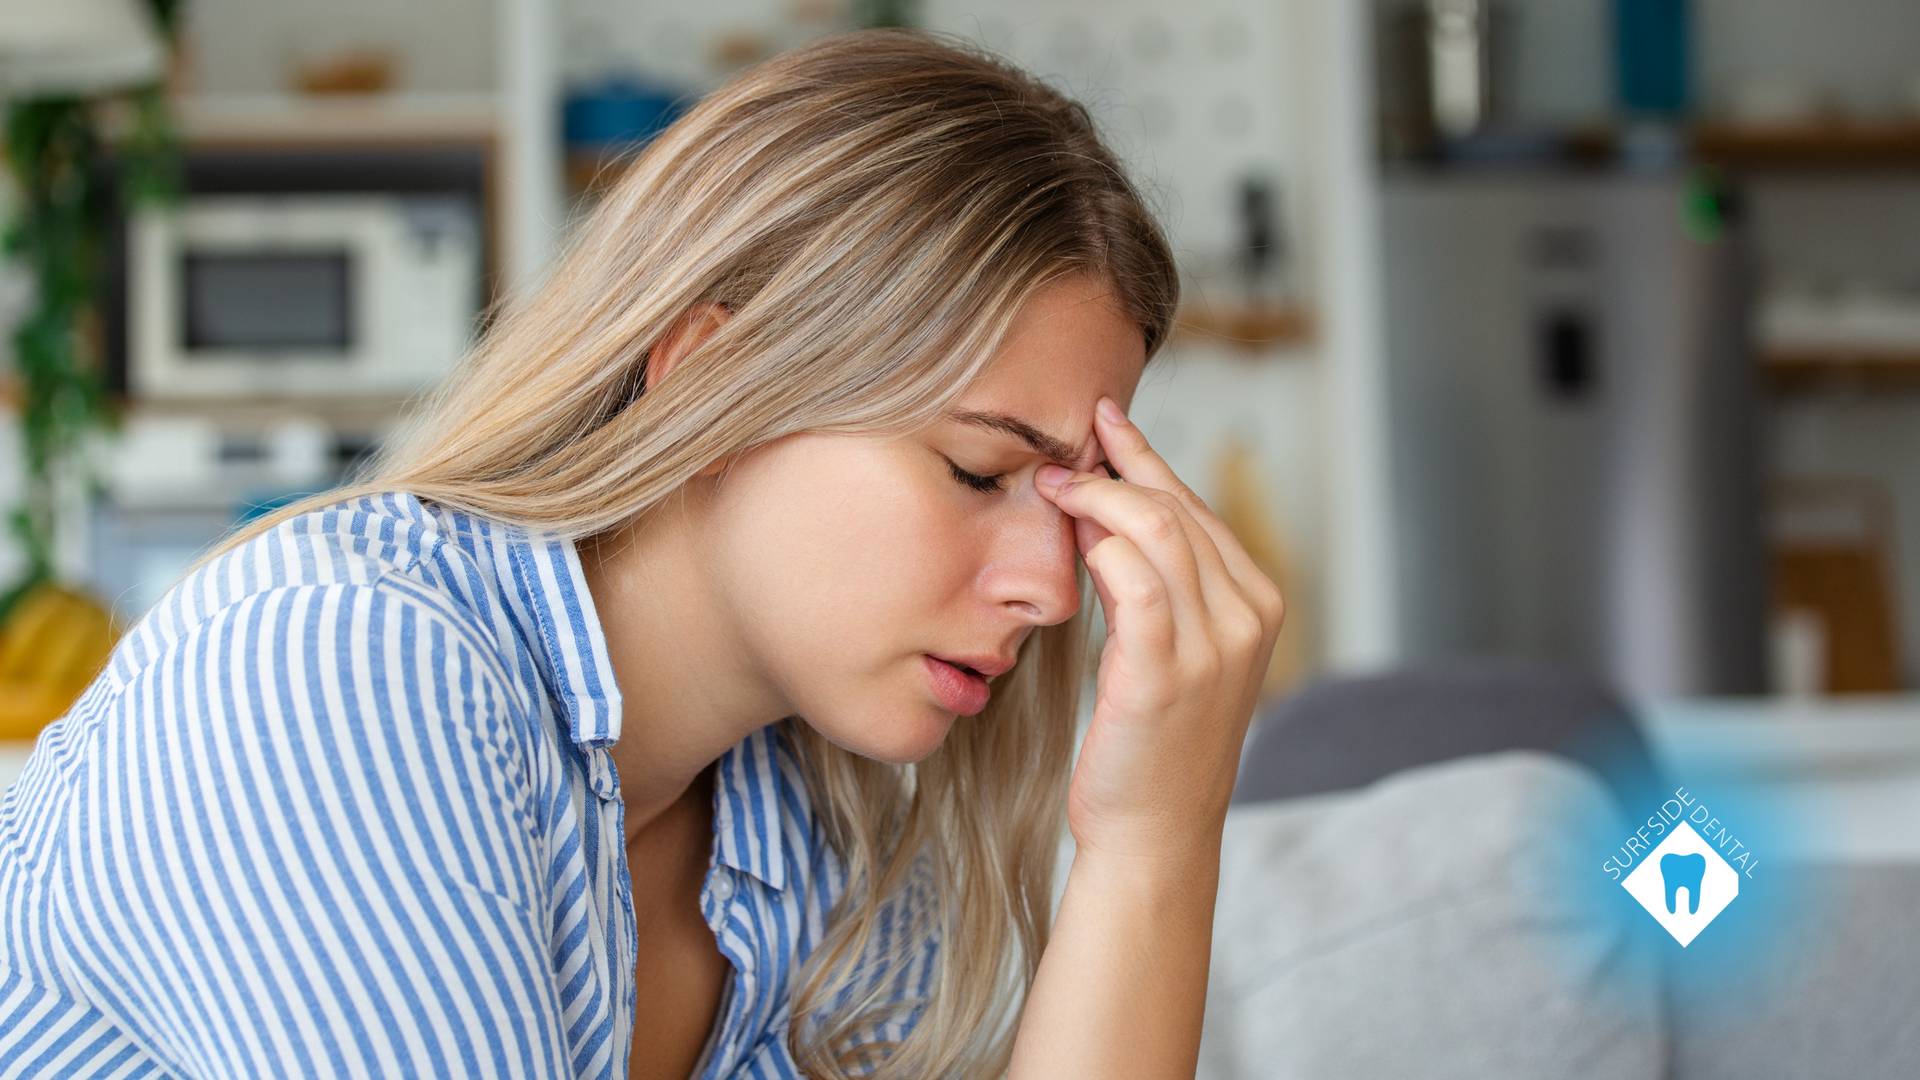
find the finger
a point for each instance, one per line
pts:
(1139, 607)
(1052, 479)
(1233, 581)
(1087, 533)
(1154, 523)
(1128, 451)
(1220, 589)
(1127, 448)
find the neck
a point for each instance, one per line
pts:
(688, 691)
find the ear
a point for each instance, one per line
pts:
(686, 334)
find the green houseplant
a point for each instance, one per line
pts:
(72, 148)
(70, 157)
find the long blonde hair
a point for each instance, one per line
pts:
(873, 209)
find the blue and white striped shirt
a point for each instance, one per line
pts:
(342, 804)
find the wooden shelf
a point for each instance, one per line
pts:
(1876, 371)
(1815, 145)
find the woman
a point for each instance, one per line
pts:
(692, 693)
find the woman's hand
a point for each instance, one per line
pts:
(1122, 988)
(1191, 623)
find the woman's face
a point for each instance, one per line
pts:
(867, 574)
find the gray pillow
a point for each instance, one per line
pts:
(1431, 925)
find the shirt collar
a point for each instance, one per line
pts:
(552, 589)
(760, 807)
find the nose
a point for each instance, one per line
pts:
(1029, 568)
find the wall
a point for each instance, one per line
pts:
(1867, 52)
(252, 46)
(1197, 96)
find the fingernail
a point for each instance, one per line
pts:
(1109, 409)
(1052, 475)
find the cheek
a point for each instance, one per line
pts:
(848, 553)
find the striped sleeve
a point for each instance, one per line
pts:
(304, 846)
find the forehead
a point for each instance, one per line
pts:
(1071, 344)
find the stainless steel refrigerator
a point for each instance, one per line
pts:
(1573, 410)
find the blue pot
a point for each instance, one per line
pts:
(618, 114)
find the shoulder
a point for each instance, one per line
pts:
(358, 708)
(364, 619)
(390, 552)
(315, 753)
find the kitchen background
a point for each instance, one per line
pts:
(1580, 330)
(1560, 359)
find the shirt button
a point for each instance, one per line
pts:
(722, 886)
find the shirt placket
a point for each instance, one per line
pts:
(737, 936)
(623, 947)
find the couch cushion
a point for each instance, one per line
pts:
(1429, 926)
(1342, 733)
(1840, 999)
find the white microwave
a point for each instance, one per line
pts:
(269, 296)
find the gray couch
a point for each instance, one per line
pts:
(1388, 906)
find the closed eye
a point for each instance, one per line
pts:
(974, 480)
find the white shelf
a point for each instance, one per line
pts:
(291, 119)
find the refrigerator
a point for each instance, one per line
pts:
(1573, 405)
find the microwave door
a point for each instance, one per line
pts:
(270, 304)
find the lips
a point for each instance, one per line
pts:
(960, 683)
(986, 664)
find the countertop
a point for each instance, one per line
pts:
(1838, 778)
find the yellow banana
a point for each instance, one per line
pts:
(53, 643)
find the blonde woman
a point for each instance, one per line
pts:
(693, 692)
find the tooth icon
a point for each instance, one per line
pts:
(1685, 861)
(1677, 871)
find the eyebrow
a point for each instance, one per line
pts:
(1042, 443)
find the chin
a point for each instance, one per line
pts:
(903, 737)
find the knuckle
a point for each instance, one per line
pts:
(1144, 595)
(1163, 523)
(1245, 630)
(1266, 602)
(1207, 666)
(1169, 499)
(1273, 608)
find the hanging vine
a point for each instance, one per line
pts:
(68, 175)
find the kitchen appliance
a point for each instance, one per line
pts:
(301, 295)
(1573, 410)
